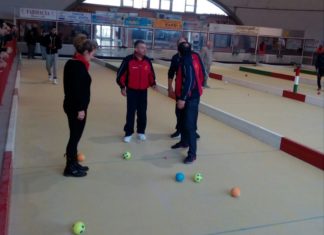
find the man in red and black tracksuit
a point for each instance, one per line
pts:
(171, 73)
(135, 76)
(189, 81)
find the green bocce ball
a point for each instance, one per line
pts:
(127, 155)
(198, 177)
(78, 228)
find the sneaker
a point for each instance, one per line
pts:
(71, 170)
(179, 145)
(176, 135)
(50, 78)
(55, 81)
(127, 139)
(141, 137)
(189, 159)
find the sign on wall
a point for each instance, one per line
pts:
(31, 13)
(168, 24)
(74, 17)
(103, 17)
(138, 21)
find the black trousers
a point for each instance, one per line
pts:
(31, 50)
(136, 104)
(188, 121)
(76, 129)
(320, 74)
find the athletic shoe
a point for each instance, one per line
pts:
(55, 81)
(50, 78)
(127, 139)
(176, 135)
(179, 145)
(189, 159)
(141, 137)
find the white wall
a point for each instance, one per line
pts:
(311, 22)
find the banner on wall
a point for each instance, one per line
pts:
(138, 21)
(74, 17)
(162, 15)
(102, 17)
(168, 24)
(31, 13)
(221, 28)
(246, 30)
(194, 25)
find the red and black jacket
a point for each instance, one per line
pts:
(190, 78)
(136, 74)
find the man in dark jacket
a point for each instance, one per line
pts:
(134, 77)
(319, 65)
(53, 43)
(171, 73)
(189, 82)
(31, 40)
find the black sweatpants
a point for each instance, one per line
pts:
(320, 74)
(76, 129)
(188, 121)
(31, 50)
(136, 104)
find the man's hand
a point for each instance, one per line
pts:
(81, 115)
(181, 104)
(171, 93)
(123, 92)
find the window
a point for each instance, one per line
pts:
(134, 34)
(128, 3)
(207, 7)
(104, 2)
(165, 5)
(190, 5)
(164, 37)
(155, 4)
(140, 3)
(178, 5)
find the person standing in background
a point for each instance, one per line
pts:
(53, 43)
(319, 65)
(42, 44)
(261, 51)
(31, 40)
(171, 73)
(206, 55)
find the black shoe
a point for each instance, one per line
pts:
(80, 167)
(176, 134)
(72, 170)
(179, 145)
(197, 136)
(189, 159)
